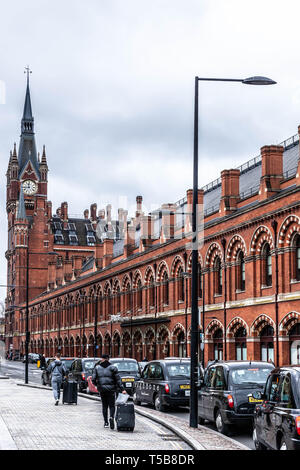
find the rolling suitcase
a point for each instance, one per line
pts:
(125, 417)
(69, 392)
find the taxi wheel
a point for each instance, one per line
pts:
(135, 400)
(258, 445)
(283, 445)
(220, 425)
(158, 404)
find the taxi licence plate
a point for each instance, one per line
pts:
(254, 400)
(185, 387)
(128, 384)
(187, 393)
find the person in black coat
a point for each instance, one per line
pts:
(108, 381)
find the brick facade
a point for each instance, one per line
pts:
(126, 283)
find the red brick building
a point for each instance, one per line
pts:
(123, 286)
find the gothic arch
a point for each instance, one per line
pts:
(161, 269)
(176, 263)
(235, 244)
(212, 327)
(288, 227)
(178, 327)
(288, 322)
(136, 277)
(213, 251)
(235, 324)
(189, 261)
(259, 323)
(148, 273)
(261, 235)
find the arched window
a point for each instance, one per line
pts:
(139, 297)
(218, 276)
(118, 299)
(151, 292)
(267, 343)
(165, 281)
(180, 285)
(267, 265)
(240, 271)
(241, 344)
(218, 344)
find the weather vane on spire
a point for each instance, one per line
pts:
(28, 71)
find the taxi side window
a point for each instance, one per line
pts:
(145, 373)
(151, 373)
(272, 388)
(286, 393)
(158, 372)
(219, 381)
(210, 377)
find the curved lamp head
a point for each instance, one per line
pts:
(258, 81)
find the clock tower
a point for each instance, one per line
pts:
(28, 217)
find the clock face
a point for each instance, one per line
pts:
(29, 187)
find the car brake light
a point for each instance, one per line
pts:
(230, 401)
(167, 388)
(297, 420)
(83, 376)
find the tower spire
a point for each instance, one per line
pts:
(27, 148)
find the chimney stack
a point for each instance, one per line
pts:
(230, 195)
(272, 170)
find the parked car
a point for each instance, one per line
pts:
(226, 392)
(277, 419)
(142, 365)
(46, 376)
(80, 370)
(129, 371)
(32, 358)
(164, 383)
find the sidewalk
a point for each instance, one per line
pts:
(29, 418)
(30, 421)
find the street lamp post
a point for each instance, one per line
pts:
(257, 80)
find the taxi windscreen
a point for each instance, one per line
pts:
(249, 376)
(179, 370)
(126, 366)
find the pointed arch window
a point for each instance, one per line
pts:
(180, 276)
(139, 296)
(241, 277)
(241, 344)
(267, 265)
(218, 276)
(151, 292)
(267, 343)
(165, 287)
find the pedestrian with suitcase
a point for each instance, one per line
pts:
(58, 373)
(108, 381)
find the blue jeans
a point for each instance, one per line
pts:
(56, 384)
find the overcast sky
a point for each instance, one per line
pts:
(112, 92)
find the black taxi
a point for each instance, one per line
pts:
(277, 419)
(226, 393)
(164, 383)
(129, 371)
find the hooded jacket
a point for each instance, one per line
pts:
(57, 369)
(106, 378)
